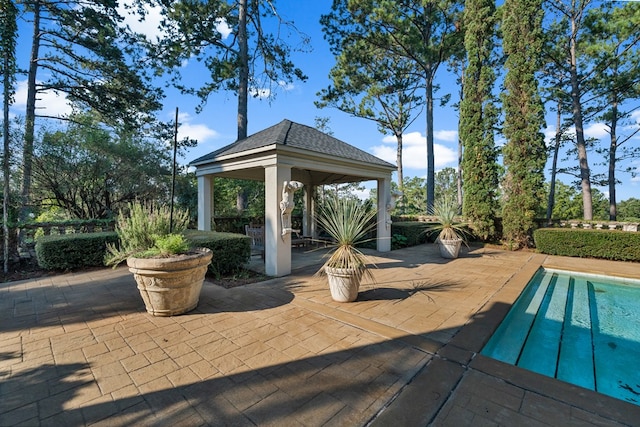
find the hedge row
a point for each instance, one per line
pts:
(414, 232)
(605, 244)
(74, 250)
(230, 250)
(79, 250)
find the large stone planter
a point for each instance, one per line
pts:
(171, 286)
(344, 283)
(449, 248)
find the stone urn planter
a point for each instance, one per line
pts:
(449, 248)
(451, 234)
(170, 286)
(347, 222)
(344, 283)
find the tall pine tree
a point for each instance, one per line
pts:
(478, 117)
(426, 33)
(524, 153)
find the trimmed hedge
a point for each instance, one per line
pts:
(230, 250)
(74, 250)
(78, 250)
(605, 244)
(414, 232)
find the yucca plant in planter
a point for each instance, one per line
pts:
(347, 222)
(451, 234)
(169, 273)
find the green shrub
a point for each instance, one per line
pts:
(72, 251)
(230, 250)
(413, 231)
(140, 226)
(398, 241)
(605, 244)
(165, 246)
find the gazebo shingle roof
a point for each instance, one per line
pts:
(297, 136)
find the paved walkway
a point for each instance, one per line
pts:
(79, 349)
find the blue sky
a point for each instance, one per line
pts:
(216, 125)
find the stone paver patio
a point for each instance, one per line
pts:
(79, 349)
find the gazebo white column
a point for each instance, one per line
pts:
(205, 202)
(384, 216)
(277, 247)
(307, 210)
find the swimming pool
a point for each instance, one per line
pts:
(579, 328)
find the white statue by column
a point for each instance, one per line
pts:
(287, 205)
(393, 198)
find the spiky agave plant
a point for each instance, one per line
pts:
(348, 223)
(446, 210)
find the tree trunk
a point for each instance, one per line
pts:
(613, 148)
(243, 78)
(430, 156)
(5, 170)
(585, 173)
(30, 118)
(554, 165)
(460, 148)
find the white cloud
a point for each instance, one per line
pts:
(596, 130)
(199, 132)
(414, 152)
(48, 103)
(446, 135)
(262, 93)
(149, 26)
(223, 28)
(550, 136)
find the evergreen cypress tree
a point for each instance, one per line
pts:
(524, 153)
(478, 117)
(9, 32)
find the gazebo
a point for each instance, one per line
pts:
(287, 157)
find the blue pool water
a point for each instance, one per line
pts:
(579, 328)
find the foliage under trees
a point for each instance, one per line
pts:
(629, 210)
(91, 171)
(568, 203)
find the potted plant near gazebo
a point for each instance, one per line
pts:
(451, 234)
(168, 272)
(347, 222)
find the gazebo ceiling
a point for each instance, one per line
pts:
(313, 156)
(316, 177)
